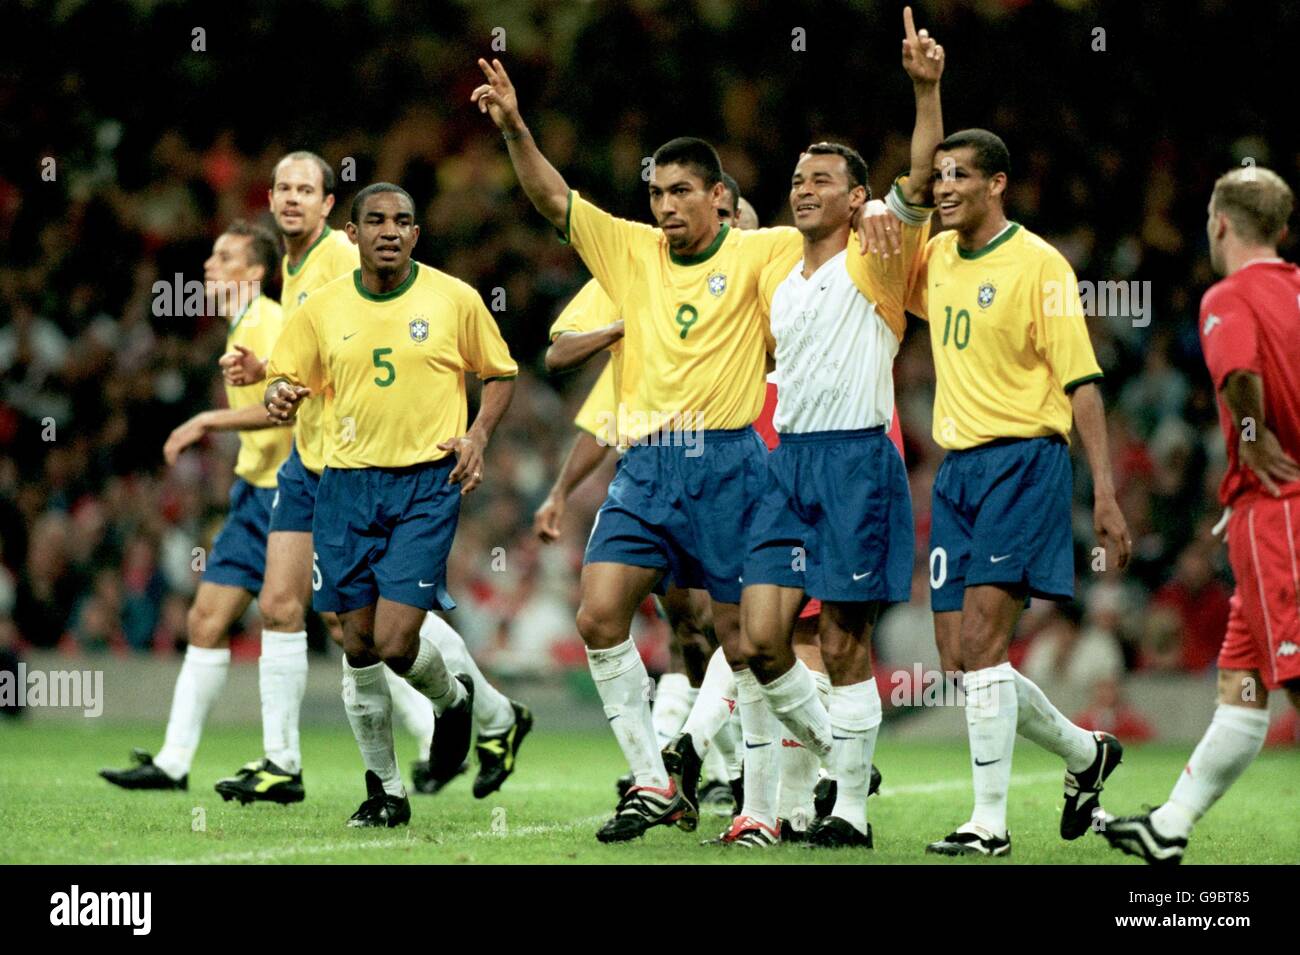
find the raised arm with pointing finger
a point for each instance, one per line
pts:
(545, 187)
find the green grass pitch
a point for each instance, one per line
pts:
(55, 809)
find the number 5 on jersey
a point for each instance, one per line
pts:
(386, 366)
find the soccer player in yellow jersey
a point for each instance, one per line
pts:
(695, 353)
(301, 198)
(391, 344)
(242, 257)
(1015, 369)
(588, 325)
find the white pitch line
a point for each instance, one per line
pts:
(323, 848)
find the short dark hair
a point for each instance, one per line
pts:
(374, 189)
(991, 156)
(263, 247)
(732, 187)
(696, 154)
(326, 170)
(853, 161)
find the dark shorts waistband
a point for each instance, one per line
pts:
(667, 438)
(1007, 442)
(441, 463)
(813, 436)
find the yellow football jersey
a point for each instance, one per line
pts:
(599, 413)
(260, 452)
(695, 330)
(589, 310)
(395, 364)
(1008, 338)
(332, 255)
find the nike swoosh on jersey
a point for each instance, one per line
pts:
(749, 745)
(423, 584)
(863, 576)
(346, 337)
(996, 560)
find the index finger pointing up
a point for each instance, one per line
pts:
(909, 27)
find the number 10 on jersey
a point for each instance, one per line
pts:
(958, 328)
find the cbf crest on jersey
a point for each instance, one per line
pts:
(986, 293)
(302, 297)
(717, 284)
(419, 329)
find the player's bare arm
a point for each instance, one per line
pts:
(1243, 393)
(923, 59)
(251, 418)
(469, 447)
(571, 349)
(583, 458)
(242, 367)
(1107, 519)
(282, 399)
(545, 187)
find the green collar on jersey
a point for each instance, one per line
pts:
(704, 256)
(240, 317)
(295, 269)
(370, 296)
(1007, 233)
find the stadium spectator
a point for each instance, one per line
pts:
(1200, 602)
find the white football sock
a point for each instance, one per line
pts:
(282, 680)
(712, 709)
(762, 734)
(798, 777)
(493, 714)
(674, 698)
(1040, 722)
(800, 768)
(715, 763)
(1233, 740)
(429, 675)
(623, 685)
(370, 712)
(203, 674)
(991, 726)
(855, 721)
(413, 709)
(730, 741)
(823, 683)
(793, 698)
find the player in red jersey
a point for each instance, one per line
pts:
(1249, 325)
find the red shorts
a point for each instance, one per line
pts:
(1264, 616)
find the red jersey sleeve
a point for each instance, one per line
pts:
(1229, 334)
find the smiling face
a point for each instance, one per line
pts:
(386, 234)
(964, 195)
(297, 196)
(684, 207)
(821, 196)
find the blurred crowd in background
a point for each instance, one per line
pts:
(156, 146)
